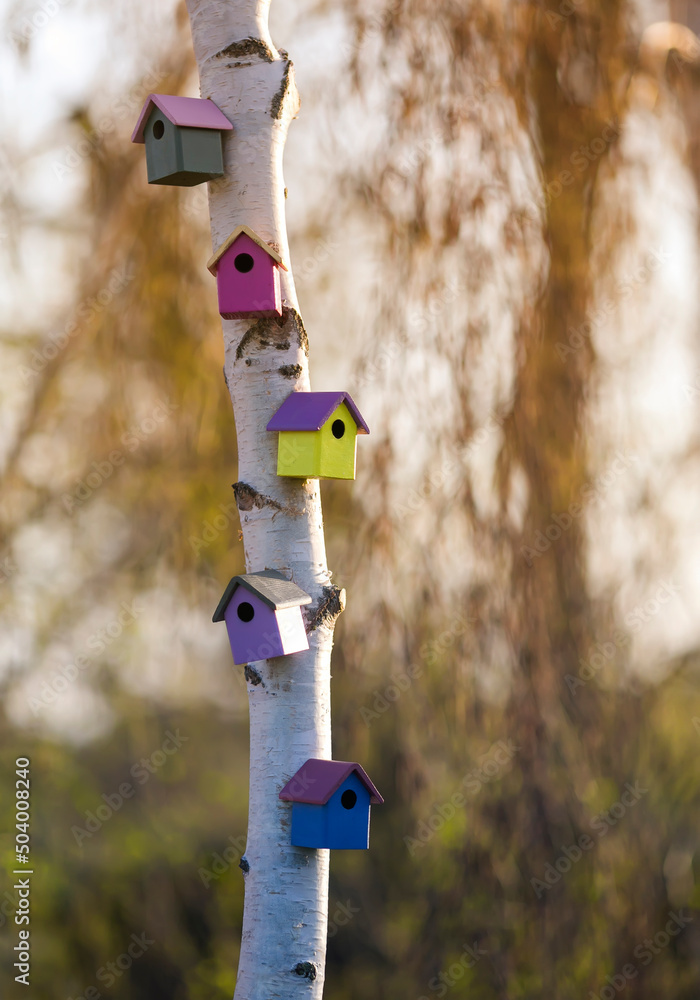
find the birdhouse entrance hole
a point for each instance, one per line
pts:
(158, 129)
(348, 799)
(243, 263)
(338, 429)
(246, 611)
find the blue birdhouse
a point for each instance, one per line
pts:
(331, 801)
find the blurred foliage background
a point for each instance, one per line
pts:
(493, 214)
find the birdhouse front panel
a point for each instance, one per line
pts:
(338, 438)
(348, 816)
(248, 281)
(252, 629)
(162, 160)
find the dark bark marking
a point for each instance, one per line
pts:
(275, 331)
(253, 676)
(291, 371)
(247, 47)
(298, 327)
(278, 99)
(244, 866)
(305, 969)
(331, 605)
(247, 498)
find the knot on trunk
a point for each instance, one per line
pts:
(305, 969)
(253, 676)
(331, 605)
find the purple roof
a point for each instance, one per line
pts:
(308, 411)
(317, 780)
(192, 112)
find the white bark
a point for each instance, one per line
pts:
(286, 888)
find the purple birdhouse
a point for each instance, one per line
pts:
(330, 804)
(262, 612)
(247, 276)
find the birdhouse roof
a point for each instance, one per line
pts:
(191, 112)
(308, 411)
(270, 586)
(317, 780)
(238, 231)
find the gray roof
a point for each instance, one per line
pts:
(271, 587)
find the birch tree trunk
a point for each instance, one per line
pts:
(286, 888)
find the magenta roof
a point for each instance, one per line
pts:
(308, 411)
(317, 780)
(192, 112)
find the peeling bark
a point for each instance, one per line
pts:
(247, 47)
(247, 498)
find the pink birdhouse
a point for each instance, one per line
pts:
(247, 276)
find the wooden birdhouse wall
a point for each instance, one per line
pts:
(291, 630)
(299, 454)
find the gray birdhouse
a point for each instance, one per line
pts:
(182, 136)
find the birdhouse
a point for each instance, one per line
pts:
(262, 612)
(183, 139)
(247, 276)
(317, 435)
(330, 805)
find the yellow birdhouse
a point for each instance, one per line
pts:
(317, 435)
